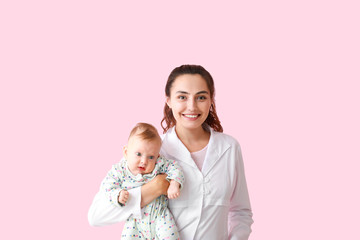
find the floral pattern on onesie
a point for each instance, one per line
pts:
(157, 222)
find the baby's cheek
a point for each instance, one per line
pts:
(151, 167)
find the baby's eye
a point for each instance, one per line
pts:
(151, 157)
(138, 154)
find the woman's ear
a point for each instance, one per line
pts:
(125, 151)
(168, 102)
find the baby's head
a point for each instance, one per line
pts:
(143, 149)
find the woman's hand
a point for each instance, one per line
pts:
(153, 189)
(161, 184)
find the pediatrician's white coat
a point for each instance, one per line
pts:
(214, 203)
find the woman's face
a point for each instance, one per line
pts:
(189, 101)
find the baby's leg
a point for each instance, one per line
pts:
(165, 227)
(135, 229)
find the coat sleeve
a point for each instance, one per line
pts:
(240, 213)
(105, 209)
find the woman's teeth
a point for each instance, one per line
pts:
(191, 116)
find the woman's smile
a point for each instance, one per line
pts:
(191, 117)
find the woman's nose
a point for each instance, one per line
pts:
(191, 104)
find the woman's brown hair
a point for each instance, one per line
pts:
(212, 119)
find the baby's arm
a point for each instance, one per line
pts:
(111, 186)
(173, 190)
(175, 176)
(123, 196)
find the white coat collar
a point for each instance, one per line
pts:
(174, 148)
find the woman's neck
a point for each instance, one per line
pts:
(193, 139)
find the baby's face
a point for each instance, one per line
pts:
(141, 154)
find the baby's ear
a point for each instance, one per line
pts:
(125, 151)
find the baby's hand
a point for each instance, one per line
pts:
(123, 196)
(173, 190)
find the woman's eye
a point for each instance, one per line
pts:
(201, 97)
(138, 154)
(182, 97)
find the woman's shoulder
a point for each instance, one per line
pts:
(169, 134)
(218, 136)
(225, 137)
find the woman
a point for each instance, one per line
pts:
(214, 202)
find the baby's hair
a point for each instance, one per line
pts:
(145, 131)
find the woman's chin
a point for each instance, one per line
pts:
(189, 125)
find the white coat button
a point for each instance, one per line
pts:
(206, 179)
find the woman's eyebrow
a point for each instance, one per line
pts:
(202, 92)
(183, 92)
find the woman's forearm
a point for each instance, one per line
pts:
(148, 195)
(153, 189)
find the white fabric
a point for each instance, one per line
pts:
(102, 212)
(199, 157)
(213, 204)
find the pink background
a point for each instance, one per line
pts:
(77, 75)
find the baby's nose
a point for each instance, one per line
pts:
(144, 160)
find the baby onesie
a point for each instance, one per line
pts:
(157, 222)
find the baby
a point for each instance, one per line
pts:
(141, 163)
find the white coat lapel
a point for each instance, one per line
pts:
(216, 148)
(175, 149)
